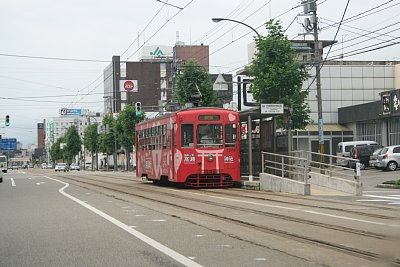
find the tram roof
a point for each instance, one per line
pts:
(188, 109)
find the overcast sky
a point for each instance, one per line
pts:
(98, 29)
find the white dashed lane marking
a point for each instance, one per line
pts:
(160, 247)
(12, 182)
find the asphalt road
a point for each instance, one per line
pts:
(44, 222)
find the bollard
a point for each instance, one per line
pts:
(357, 172)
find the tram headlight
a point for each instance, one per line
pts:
(210, 157)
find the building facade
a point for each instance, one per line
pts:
(152, 79)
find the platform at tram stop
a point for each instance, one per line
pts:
(315, 190)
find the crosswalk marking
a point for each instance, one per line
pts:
(390, 199)
(384, 197)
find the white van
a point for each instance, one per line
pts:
(344, 148)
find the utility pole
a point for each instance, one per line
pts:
(310, 8)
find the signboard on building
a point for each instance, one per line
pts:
(51, 124)
(71, 111)
(271, 108)
(128, 86)
(8, 144)
(157, 51)
(385, 97)
(395, 101)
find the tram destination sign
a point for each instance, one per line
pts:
(271, 108)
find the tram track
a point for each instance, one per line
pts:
(262, 228)
(263, 198)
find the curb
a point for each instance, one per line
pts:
(392, 186)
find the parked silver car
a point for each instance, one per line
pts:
(389, 158)
(373, 159)
(74, 166)
(61, 167)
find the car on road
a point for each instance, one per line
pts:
(74, 167)
(44, 165)
(61, 167)
(389, 158)
(362, 153)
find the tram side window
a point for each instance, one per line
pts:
(230, 135)
(187, 136)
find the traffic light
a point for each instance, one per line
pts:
(7, 120)
(138, 107)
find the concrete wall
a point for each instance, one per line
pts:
(269, 182)
(338, 184)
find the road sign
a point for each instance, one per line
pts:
(8, 144)
(271, 108)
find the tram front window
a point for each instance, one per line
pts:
(209, 135)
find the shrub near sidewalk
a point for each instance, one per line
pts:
(395, 184)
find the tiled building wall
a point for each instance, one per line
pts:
(347, 85)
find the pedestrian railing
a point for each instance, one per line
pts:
(299, 164)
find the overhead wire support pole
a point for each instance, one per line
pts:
(317, 60)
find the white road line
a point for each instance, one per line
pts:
(382, 191)
(294, 209)
(384, 197)
(372, 200)
(12, 182)
(394, 195)
(160, 247)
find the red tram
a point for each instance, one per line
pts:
(195, 147)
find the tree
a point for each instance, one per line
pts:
(125, 124)
(278, 75)
(55, 150)
(190, 82)
(106, 140)
(90, 139)
(73, 144)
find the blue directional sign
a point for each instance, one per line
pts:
(8, 144)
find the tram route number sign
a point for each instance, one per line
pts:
(271, 108)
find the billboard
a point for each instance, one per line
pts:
(128, 86)
(8, 144)
(71, 111)
(157, 51)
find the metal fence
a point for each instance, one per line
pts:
(299, 164)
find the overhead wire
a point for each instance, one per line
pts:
(330, 47)
(160, 28)
(363, 14)
(144, 29)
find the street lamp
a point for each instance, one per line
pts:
(216, 20)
